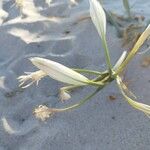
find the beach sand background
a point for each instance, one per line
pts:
(56, 30)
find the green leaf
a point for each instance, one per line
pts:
(127, 7)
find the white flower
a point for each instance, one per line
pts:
(31, 76)
(98, 17)
(59, 72)
(64, 95)
(43, 112)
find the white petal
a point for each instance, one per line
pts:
(59, 72)
(98, 17)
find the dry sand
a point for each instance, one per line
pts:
(58, 32)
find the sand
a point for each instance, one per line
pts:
(62, 31)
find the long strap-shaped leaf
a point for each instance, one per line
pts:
(140, 106)
(127, 7)
(134, 50)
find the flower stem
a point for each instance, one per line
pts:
(107, 54)
(101, 77)
(78, 104)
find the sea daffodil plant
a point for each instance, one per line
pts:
(74, 79)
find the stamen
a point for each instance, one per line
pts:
(31, 76)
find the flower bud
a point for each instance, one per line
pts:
(59, 72)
